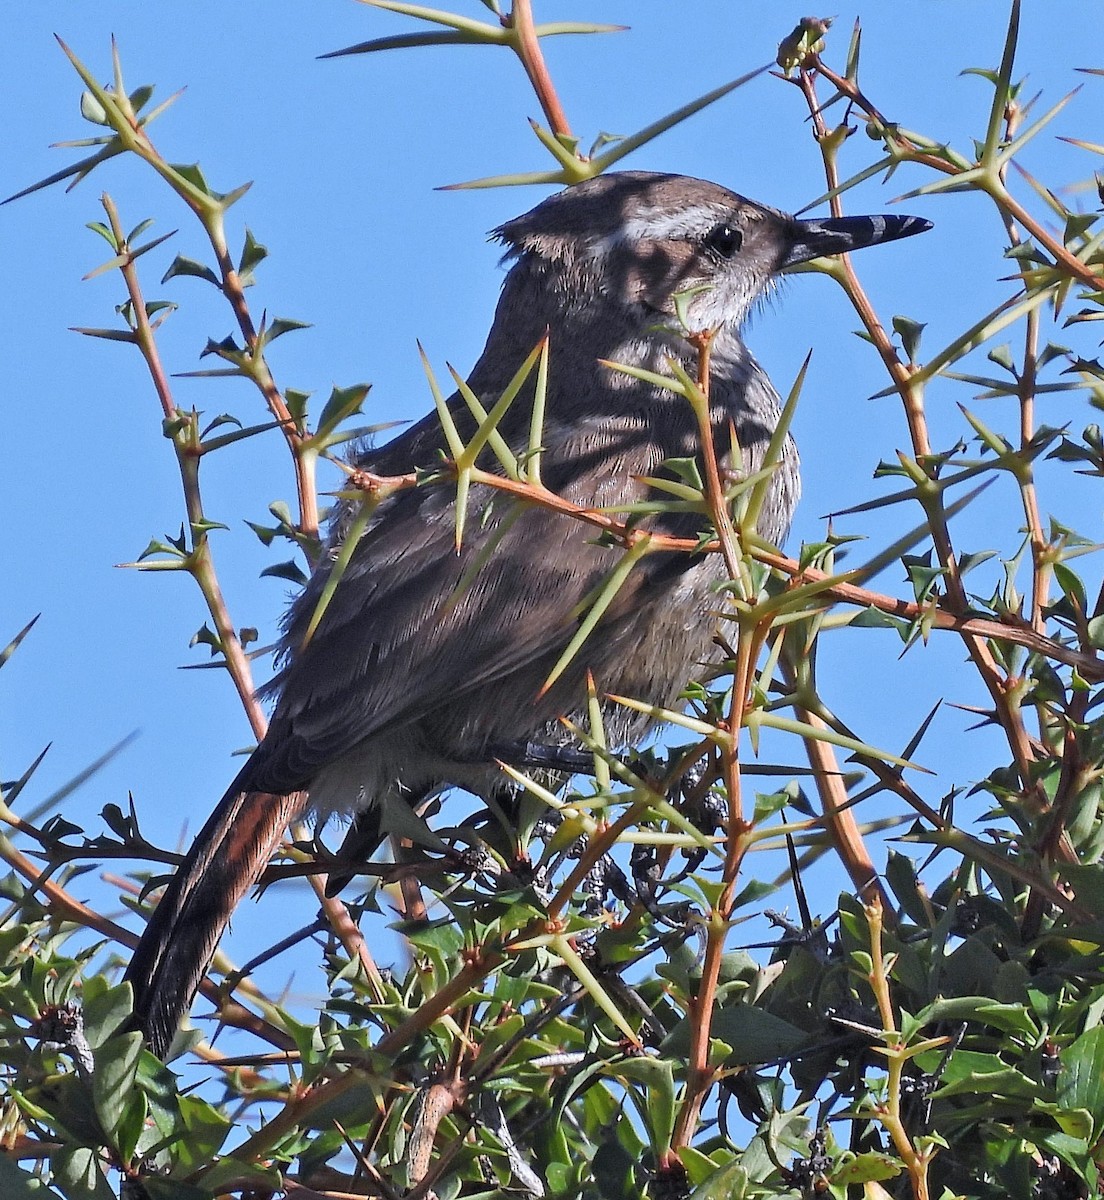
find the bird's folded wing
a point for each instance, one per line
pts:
(409, 631)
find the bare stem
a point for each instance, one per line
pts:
(306, 492)
(1002, 690)
(889, 1114)
(532, 59)
(201, 564)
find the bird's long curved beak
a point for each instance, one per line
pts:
(838, 235)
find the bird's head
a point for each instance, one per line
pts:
(639, 240)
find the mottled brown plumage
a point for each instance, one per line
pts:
(404, 688)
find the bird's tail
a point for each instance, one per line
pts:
(224, 862)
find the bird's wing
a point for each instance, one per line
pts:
(414, 626)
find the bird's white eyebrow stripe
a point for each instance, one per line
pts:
(656, 226)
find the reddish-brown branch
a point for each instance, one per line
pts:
(839, 817)
(532, 59)
(700, 1074)
(232, 289)
(201, 566)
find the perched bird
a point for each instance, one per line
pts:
(409, 685)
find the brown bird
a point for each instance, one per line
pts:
(407, 687)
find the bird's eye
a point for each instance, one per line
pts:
(724, 240)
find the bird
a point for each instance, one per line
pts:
(411, 683)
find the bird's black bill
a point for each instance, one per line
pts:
(838, 235)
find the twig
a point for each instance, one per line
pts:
(532, 59)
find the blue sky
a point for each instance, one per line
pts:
(345, 156)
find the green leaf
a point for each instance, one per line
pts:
(227, 348)
(922, 574)
(289, 570)
(139, 229)
(156, 546)
(280, 326)
(752, 1035)
(910, 332)
(687, 470)
(219, 421)
(767, 805)
(972, 1074)
(266, 533)
(182, 266)
(207, 1130)
(967, 561)
(874, 618)
(16, 1184)
(140, 97)
(78, 1170)
(297, 404)
(341, 404)
(1087, 880)
(752, 892)
(201, 527)
(1011, 1018)
(206, 636)
(252, 255)
(901, 876)
(1071, 585)
(135, 1128)
(729, 1183)
(106, 1008)
(1081, 1079)
(865, 1167)
(658, 1077)
(113, 1079)
(108, 335)
(193, 174)
(104, 232)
